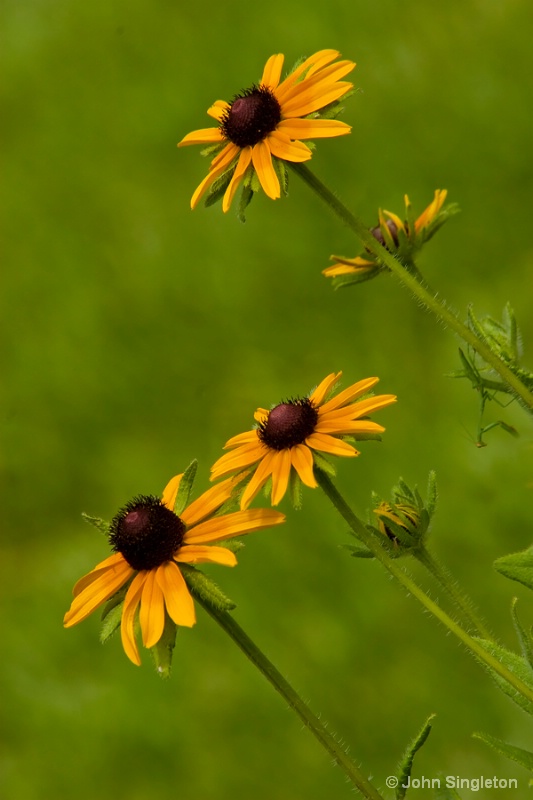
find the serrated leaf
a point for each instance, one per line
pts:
(515, 664)
(185, 488)
(518, 754)
(517, 567)
(162, 651)
(406, 764)
(98, 523)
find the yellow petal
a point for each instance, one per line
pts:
(202, 554)
(302, 461)
(329, 444)
(347, 395)
(262, 161)
(242, 165)
(178, 600)
(312, 64)
(323, 388)
(97, 592)
(235, 524)
(218, 109)
(152, 611)
(209, 502)
(313, 99)
(260, 414)
(259, 477)
(348, 426)
(246, 438)
(237, 459)
(432, 210)
(202, 136)
(212, 175)
(272, 71)
(127, 633)
(280, 476)
(360, 409)
(312, 128)
(103, 566)
(170, 492)
(282, 147)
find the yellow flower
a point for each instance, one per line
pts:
(398, 236)
(270, 120)
(286, 436)
(400, 514)
(150, 541)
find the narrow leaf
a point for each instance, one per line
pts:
(517, 567)
(185, 488)
(406, 764)
(522, 757)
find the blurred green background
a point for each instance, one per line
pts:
(138, 335)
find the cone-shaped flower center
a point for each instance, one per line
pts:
(378, 234)
(252, 115)
(146, 532)
(288, 424)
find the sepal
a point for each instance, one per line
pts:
(163, 651)
(205, 589)
(99, 524)
(517, 567)
(185, 488)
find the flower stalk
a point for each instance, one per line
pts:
(292, 698)
(415, 284)
(474, 645)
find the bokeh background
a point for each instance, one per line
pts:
(138, 335)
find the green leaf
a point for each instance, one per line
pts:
(245, 200)
(358, 550)
(522, 757)
(162, 651)
(205, 589)
(185, 488)
(112, 613)
(295, 490)
(524, 637)
(515, 664)
(98, 523)
(517, 567)
(406, 764)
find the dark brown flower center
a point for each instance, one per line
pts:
(146, 532)
(377, 233)
(252, 115)
(288, 424)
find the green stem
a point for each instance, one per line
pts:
(411, 281)
(276, 679)
(408, 583)
(462, 601)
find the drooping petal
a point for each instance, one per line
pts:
(242, 165)
(178, 600)
(272, 71)
(282, 147)
(107, 582)
(302, 461)
(259, 478)
(127, 632)
(209, 502)
(262, 161)
(103, 566)
(323, 388)
(348, 395)
(204, 554)
(236, 524)
(229, 152)
(202, 136)
(312, 128)
(170, 492)
(280, 476)
(152, 611)
(347, 266)
(329, 444)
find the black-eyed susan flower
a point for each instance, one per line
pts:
(402, 237)
(150, 542)
(290, 436)
(267, 124)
